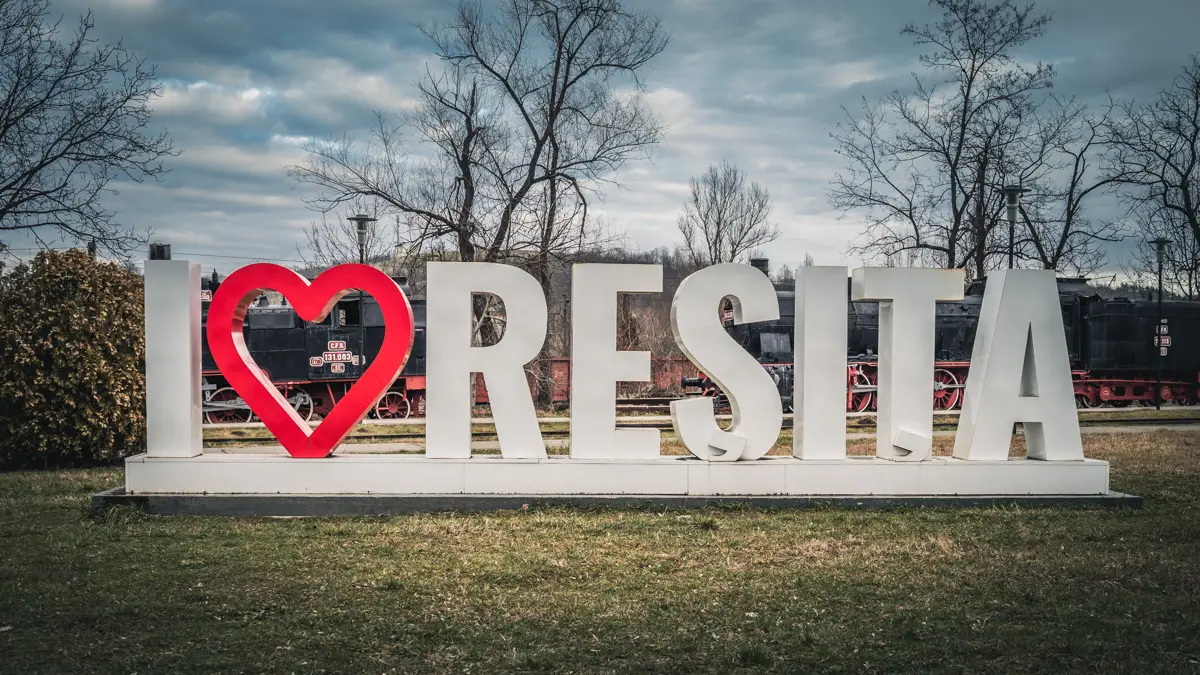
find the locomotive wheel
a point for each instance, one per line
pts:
(1083, 401)
(303, 405)
(393, 406)
(944, 396)
(227, 415)
(860, 401)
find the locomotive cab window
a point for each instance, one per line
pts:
(776, 345)
(372, 315)
(418, 346)
(347, 311)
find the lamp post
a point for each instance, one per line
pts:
(361, 221)
(1160, 249)
(1012, 195)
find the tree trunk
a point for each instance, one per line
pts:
(544, 365)
(543, 368)
(981, 236)
(488, 335)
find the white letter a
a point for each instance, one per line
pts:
(1020, 372)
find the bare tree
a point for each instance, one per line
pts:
(74, 117)
(445, 199)
(725, 218)
(785, 277)
(527, 125)
(1157, 158)
(438, 197)
(919, 164)
(1181, 256)
(334, 241)
(1061, 163)
(555, 65)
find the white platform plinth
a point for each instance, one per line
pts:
(493, 475)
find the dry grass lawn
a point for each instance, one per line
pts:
(1001, 590)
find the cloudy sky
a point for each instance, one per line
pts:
(757, 82)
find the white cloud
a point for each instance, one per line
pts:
(673, 106)
(128, 4)
(827, 32)
(290, 140)
(224, 198)
(326, 87)
(849, 73)
(216, 103)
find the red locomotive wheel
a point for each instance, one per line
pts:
(393, 406)
(860, 401)
(945, 390)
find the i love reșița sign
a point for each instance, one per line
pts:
(1019, 373)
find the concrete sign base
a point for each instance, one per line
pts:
(244, 474)
(381, 505)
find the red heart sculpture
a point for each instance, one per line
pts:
(226, 315)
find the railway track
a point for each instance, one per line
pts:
(418, 435)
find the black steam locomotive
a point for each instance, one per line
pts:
(1115, 347)
(314, 364)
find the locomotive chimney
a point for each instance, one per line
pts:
(761, 264)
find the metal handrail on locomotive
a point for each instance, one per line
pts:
(314, 364)
(1114, 347)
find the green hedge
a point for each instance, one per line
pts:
(72, 358)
